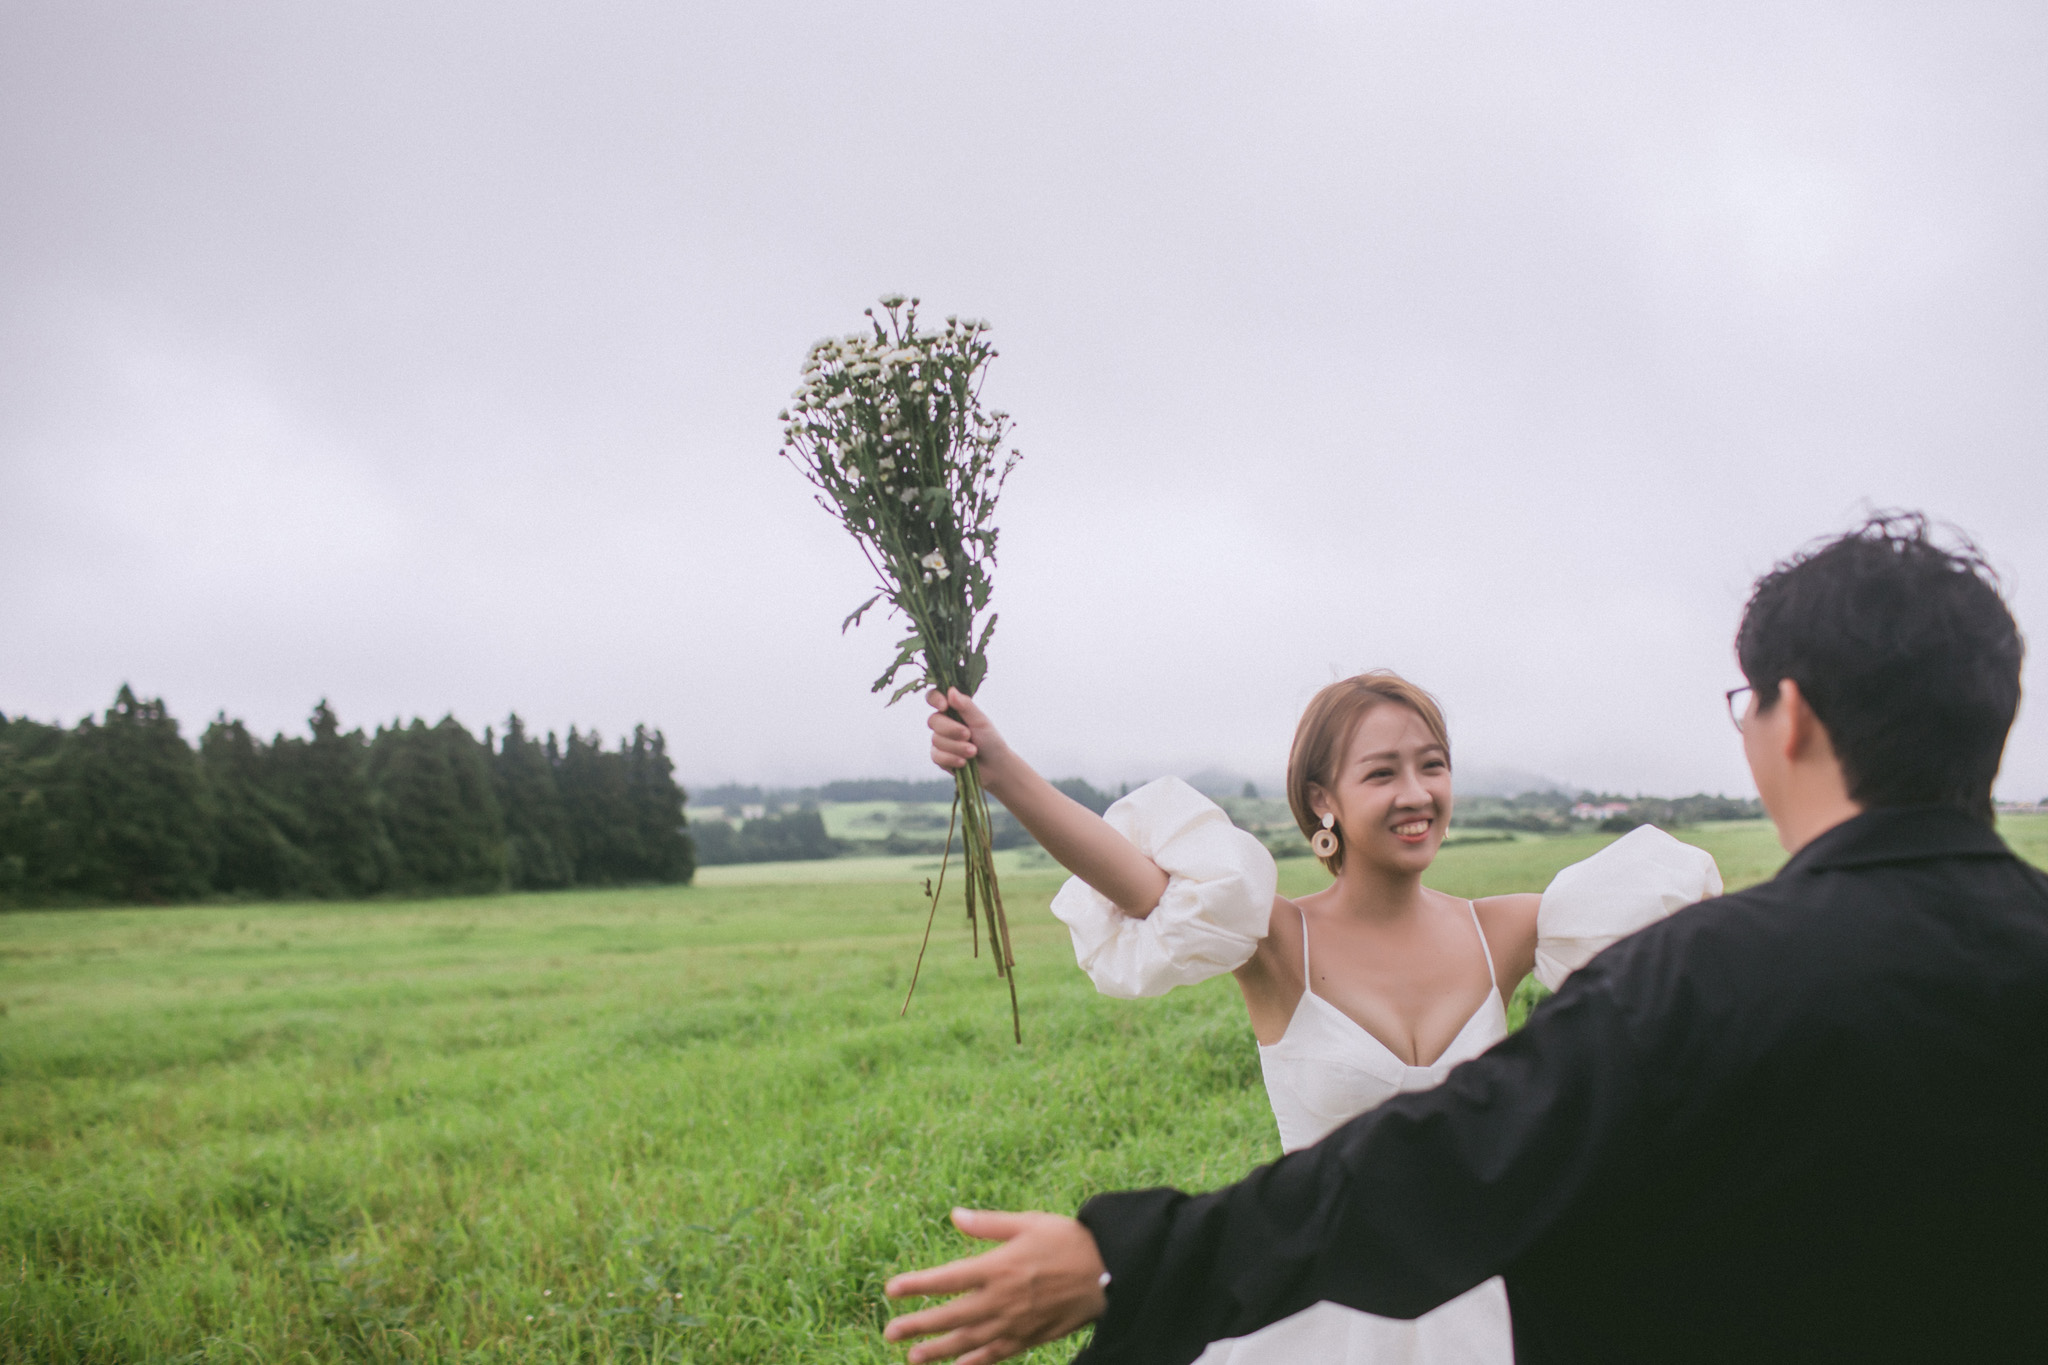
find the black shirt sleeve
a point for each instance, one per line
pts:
(1401, 1209)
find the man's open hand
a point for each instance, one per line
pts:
(1044, 1281)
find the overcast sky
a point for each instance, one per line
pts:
(425, 357)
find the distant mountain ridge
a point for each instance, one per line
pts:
(1503, 782)
(1211, 782)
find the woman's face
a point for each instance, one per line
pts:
(1391, 793)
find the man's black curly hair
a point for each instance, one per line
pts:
(1906, 652)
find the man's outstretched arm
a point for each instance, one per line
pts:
(1399, 1210)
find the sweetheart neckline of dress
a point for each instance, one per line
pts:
(1492, 994)
(1308, 993)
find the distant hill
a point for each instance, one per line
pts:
(1216, 783)
(855, 789)
(1502, 782)
(1220, 782)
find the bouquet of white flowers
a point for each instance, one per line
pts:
(888, 425)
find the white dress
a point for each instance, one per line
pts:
(1326, 1068)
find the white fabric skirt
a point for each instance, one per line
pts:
(1472, 1329)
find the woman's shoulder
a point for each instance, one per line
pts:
(1512, 915)
(1508, 924)
(1272, 979)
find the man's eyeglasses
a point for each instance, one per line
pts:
(1738, 705)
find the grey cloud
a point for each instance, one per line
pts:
(426, 358)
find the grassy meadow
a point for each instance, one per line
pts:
(676, 1124)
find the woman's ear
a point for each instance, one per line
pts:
(1319, 801)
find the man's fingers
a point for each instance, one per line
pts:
(991, 1225)
(969, 1313)
(1002, 1348)
(967, 1337)
(978, 1341)
(927, 1322)
(954, 1277)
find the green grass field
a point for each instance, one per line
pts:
(647, 1125)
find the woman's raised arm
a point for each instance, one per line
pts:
(1079, 839)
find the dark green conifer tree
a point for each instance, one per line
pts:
(257, 831)
(130, 816)
(540, 852)
(598, 792)
(28, 752)
(327, 778)
(658, 809)
(435, 792)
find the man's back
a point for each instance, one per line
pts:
(1805, 1121)
(1845, 1142)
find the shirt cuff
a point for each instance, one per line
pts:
(1130, 1230)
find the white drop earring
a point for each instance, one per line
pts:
(1324, 840)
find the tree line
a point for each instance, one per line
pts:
(1550, 812)
(121, 808)
(781, 834)
(732, 797)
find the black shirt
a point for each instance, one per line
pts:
(1807, 1121)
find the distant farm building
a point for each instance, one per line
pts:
(1586, 810)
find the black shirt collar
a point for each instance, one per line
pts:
(1899, 834)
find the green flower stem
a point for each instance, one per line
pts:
(983, 894)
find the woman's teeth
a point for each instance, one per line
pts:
(1414, 829)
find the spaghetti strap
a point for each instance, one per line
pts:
(1485, 948)
(1305, 977)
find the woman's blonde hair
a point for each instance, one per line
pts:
(1325, 731)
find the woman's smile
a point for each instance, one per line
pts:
(1413, 829)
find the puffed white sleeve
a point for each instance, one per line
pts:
(1632, 883)
(1219, 897)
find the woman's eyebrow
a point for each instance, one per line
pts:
(1388, 754)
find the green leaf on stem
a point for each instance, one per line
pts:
(858, 612)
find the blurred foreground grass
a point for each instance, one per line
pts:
(681, 1124)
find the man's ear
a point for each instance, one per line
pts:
(1805, 736)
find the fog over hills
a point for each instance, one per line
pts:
(1210, 781)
